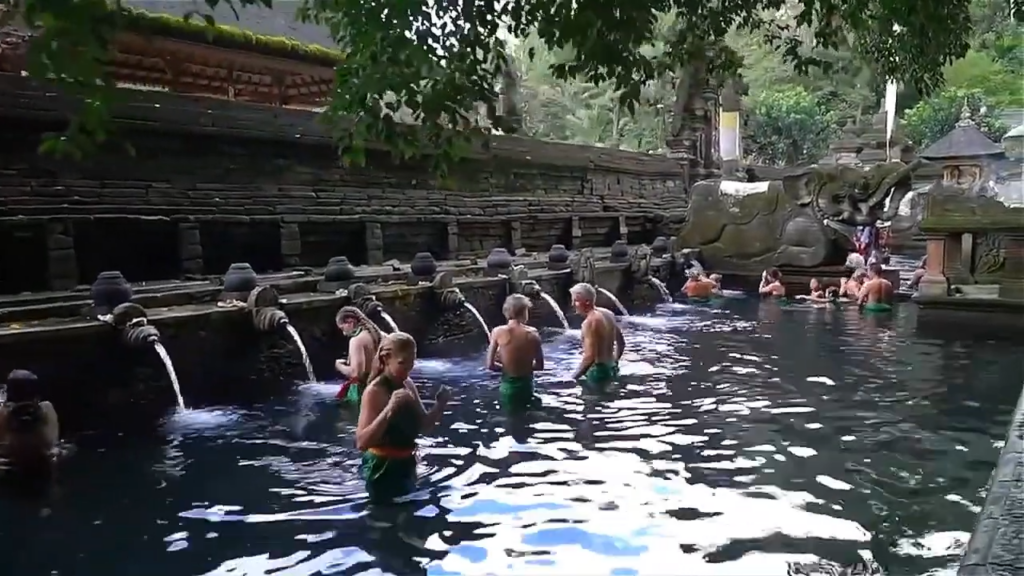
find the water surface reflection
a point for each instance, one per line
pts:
(741, 438)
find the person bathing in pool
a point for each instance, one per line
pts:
(516, 352)
(771, 283)
(29, 429)
(876, 294)
(697, 287)
(391, 417)
(818, 292)
(364, 339)
(603, 343)
(851, 287)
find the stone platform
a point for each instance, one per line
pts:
(996, 547)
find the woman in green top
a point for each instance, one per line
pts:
(391, 417)
(364, 338)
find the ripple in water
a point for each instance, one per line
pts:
(739, 441)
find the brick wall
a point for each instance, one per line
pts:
(192, 203)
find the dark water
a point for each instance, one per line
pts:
(742, 438)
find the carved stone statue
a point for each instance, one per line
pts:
(805, 220)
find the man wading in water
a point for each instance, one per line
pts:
(603, 343)
(519, 348)
(364, 338)
(876, 294)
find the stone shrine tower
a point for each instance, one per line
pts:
(864, 144)
(966, 156)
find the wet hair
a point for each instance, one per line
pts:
(875, 268)
(585, 292)
(774, 274)
(858, 273)
(355, 314)
(23, 396)
(516, 307)
(394, 343)
(22, 386)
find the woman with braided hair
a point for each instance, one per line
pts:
(391, 417)
(364, 338)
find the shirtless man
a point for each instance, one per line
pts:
(697, 287)
(29, 430)
(771, 283)
(516, 352)
(876, 294)
(603, 343)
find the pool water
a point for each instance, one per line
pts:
(745, 438)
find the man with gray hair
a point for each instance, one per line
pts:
(520, 352)
(603, 343)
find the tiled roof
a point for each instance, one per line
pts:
(277, 21)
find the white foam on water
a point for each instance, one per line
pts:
(203, 419)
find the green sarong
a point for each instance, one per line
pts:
(877, 308)
(602, 373)
(388, 477)
(517, 392)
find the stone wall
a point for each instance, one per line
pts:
(195, 198)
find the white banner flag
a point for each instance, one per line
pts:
(890, 116)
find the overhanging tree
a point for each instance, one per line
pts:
(440, 58)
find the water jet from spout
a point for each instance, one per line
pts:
(171, 374)
(476, 313)
(554, 306)
(390, 321)
(302, 350)
(622, 309)
(666, 296)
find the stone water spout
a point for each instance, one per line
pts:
(111, 302)
(640, 268)
(446, 293)
(263, 303)
(451, 298)
(360, 296)
(519, 282)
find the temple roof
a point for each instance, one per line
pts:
(964, 141)
(279, 21)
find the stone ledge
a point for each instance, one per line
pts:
(996, 546)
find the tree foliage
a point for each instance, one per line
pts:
(440, 59)
(788, 126)
(937, 116)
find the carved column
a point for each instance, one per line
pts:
(1011, 285)
(453, 238)
(577, 232)
(190, 248)
(62, 262)
(291, 244)
(953, 265)
(515, 235)
(935, 283)
(374, 239)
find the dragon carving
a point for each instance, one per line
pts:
(806, 219)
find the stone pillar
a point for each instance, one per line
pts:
(291, 244)
(623, 229)
(935, 283)
(62, 262)
(952, 267)
(1011, 284)
(190, 248)
(577, 232)
(453, 239)
(515, 235)
(374, 244)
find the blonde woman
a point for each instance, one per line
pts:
(391, 418)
